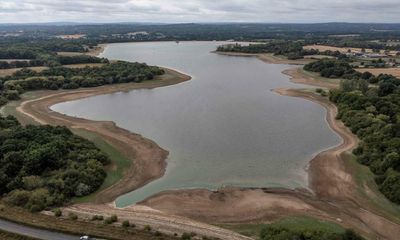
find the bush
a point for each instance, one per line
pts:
(114, 218)
(126, 223)
(186, 236)
(45, 166)
(97, 218)
(147, 228)
(111, 219)
(108, 221)
(57, 212)
(72, 216)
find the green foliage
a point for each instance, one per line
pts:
(97, 218)
(373, 114)
(72, 216)
(147, 228)
(186, 236)
(57, 212)
(110, 220)
(72, 78)
(331, 68)
(125, 224)
(280, 233)
(42, 166)
(291, 49)
(66, 60)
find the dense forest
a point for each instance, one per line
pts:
(370, 106)
(218, 31)
(280, 233)
(290, 49)
(71, 78)
(13, 55)
(43, 166)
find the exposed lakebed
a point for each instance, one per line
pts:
(225, 127)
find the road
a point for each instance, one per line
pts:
(34, 232)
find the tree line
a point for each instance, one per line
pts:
(291, 49)
(271, 232)
(45, 166)
(370, 106)
(72, 78)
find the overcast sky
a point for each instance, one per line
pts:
(20, 11)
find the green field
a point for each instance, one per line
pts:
(298, 223)
(114, 174)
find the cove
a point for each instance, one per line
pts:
(225, 127)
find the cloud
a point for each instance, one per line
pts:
(199, 10)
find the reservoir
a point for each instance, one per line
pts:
(225, 127)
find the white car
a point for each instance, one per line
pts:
(84, 238)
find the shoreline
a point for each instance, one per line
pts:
(248, 204)
(148, 156)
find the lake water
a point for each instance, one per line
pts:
(225, 127)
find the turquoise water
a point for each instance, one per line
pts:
(225, 127)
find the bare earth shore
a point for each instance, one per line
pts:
(333, 198)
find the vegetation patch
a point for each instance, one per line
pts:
(43, 166)
(373, 114)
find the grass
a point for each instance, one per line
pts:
(114, 172)
(319, 78)
(76, 227)
(296, 223)
(119, 162)
(364, 177)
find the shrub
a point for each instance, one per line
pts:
(57, 212)
(72, 216)
(108, 221)
(114, 218)
(126, 223)
(186, 236)
(97, 218)
(147, 228)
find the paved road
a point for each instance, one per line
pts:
(34, 232)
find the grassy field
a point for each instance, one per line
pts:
(77, 227)
(294, 223)
(319, 78)
(376, 71)
(342, 49)
(368, 189)
(114, 171)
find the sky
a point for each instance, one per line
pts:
(184, 11)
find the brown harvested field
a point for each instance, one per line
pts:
(82, 65)
(69, 54)
(6, 72)
(341, 49)
(71, 36)
(376, 71)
